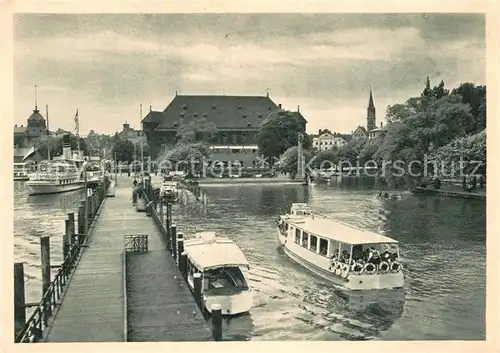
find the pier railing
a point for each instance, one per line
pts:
(74, 240)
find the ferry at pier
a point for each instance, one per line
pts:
(223, 267)
(21, 171)
(54, 177)
(345, 255)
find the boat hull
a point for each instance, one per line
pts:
(352, 281)
(21, 178)
(43, 187)
(233, 304)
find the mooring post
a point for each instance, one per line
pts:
(180, 245)
(183, 264)
(173, 234)
(66, 238)
(216, 322)
(197, 289)
(45, 249)
(71, 219)
(19, 298)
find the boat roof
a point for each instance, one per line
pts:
(208, 251)
(329, 228)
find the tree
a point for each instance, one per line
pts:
(200, 130)
(327, 158)
(351, 150)
(124, 150)
(369, 149)
(279, 132)
(475, 97)
(289, 159)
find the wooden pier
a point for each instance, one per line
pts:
(124, 285)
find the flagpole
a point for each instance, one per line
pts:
(77, 132)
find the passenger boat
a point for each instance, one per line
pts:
(55, 177)
(223, 267)
(169, 191)
(21, 171)
(348, 256)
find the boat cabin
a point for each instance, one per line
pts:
(219, 260)
(300, 209)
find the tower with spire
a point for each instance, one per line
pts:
(370, 116)
(36, 125)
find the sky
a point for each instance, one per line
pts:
(106, 65)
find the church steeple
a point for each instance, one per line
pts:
(371, 113)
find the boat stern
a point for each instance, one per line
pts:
(375, 281)
(233, 304)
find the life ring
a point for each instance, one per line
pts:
(357, 268)
(338, 268)
(370, 268)
(345, 270)
(395, 266)
(333, 264)
(361, 262)
(383, 267)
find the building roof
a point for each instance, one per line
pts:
(36, 116)
(225, 111)
(21, 152)
(332, 229)
(19, 129)
(362, 128)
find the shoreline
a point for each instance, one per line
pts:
(449, 193)
(248, 181)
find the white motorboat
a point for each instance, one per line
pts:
(223, 267)
(348, 256)
(169, 191)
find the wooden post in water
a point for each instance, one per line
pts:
(183, 264)
(180, 245)
(45, 249)
(173, 234)
(197, 290)
(19, 298)
(71, 219)
(216, 322)
(66, 238)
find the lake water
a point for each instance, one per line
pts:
(443, 250)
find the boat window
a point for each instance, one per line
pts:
(314, 243)
(297, 236)
(323, 246)
(305, 240)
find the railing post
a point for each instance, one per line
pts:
(173, 234)
(66, 238)
(81, 221)
(183, 265)
(198, 290)
(168, 225)
(180, 245)
(71, 218)
(45, 249)
(216, 322)
(161, 210)
(19, 298)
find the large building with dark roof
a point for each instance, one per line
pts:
(237, 119)
(36, 127)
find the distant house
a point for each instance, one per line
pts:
(237, 120)
(61, 132)
(327, 140)
(377, 132)
(134, 136)
(360, 133)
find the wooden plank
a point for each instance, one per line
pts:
(159, 308)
